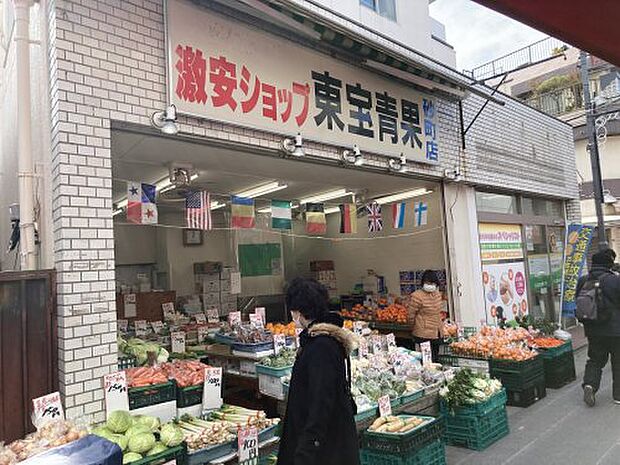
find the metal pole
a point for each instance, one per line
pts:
(597, 183)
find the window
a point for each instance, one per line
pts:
(496, 203)
(386, 8)
(542, 207)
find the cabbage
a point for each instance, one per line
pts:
(120, 440)
(141, 442)
(158, 448)
(137, 428)
(131, 457)
(103, 432)
(119, 421)
(150, 422)
(171, 435)
(163, 355)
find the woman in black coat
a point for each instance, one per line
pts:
(319, 426)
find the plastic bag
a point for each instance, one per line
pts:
(563, 335)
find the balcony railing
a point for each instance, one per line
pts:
(558, 101)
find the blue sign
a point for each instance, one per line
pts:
(578, 239)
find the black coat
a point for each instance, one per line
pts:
(610, 288)
(319, 426)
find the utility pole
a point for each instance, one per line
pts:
(595, 162)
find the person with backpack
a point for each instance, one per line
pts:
(598, 308)
(319, 424)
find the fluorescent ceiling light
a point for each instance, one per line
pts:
(326, 196)
(117, 212)
(330, 210)
(262, 190)
(402, 196)
(216, 205)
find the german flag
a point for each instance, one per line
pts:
(315, 218)
(348, 218)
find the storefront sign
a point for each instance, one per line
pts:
(248, 445)
(177, 340)
(505, 291)
(500, 241)
(224, 70)
(115, 391)
(385, 406)
(427, 354)
(578, 242)
(212, 389)
(47, 408)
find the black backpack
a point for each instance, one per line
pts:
(590, 306)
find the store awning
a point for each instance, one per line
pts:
(591, 26)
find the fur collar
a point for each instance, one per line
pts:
(344, 337)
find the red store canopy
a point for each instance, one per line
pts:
(593, 26)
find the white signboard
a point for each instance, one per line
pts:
(505, 291)
(177, 340)
(256, 320)
(129, 304)
(358, 327)
(168, 309)
(201, 318)
(248, 445)
(47, 408)
(115, 392)
(391, 342)
(141, 328)
(212, 389)
(123, 325)
(262, 312)
(223, 70)
(385, 406)
(157, 326)
(203, 332)
(427, 358)
(213, 315)
(279, 343)
(234, 318)
(363, 348)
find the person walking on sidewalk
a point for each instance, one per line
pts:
(603, 333)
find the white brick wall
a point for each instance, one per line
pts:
(107, 63)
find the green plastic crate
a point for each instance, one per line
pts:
(271, 371)
(560, 370)
(556, 351)
(433, 453)
(526, 397)
(476, 432)
(178, 453)
(518, 375)
(188, 396)
(367, 414)
(481, 408)
(151, 395)
(408, 398)
(406, 442)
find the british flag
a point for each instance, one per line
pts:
(375, 221)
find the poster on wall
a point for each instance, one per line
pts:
(500, 241)
(505, 291)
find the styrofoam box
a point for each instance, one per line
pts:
(193, 410)
(271, 386)
(247, 367)
(209, 286)
(165, 411)
(225, 287)
(212, 298)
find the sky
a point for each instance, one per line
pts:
(479, 34)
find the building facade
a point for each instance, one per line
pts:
(101, 68)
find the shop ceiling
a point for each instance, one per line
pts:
(144, 157)
(591, 26)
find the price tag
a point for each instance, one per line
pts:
(298, 331)
(363, 348)
(203, 333)
(248, 445)
(123, 325)
(141, 328)
(427, 358)
(262, 312)
(178, 342)
(213, 315)
(168, 308)
(115, 391)
(399, 365)
(385, 406)
(234, 318)
(358, 327)
(212, 389)
(201, 318)
(279, 343)
(257, 320)
(157, 326)
(47, 408)
(377, 345)
(391, 342)
(129, 304)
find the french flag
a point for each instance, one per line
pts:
(398, 215)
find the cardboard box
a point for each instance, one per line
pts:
(207, 267)
(211, 299)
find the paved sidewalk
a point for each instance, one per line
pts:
(557, 430)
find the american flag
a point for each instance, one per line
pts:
(375, 222)
(198, 211)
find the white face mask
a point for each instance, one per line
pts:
(430, 287)
(297, 319)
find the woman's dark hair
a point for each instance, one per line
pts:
(309, 297)
(430, 277)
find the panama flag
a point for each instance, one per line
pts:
(398, 215)
(141, 207)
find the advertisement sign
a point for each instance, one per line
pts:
(505, 291)
(578, 239)
(224, 70)
(500, 241)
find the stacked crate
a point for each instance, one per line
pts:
(559, 364)
(524, 380)
(324, 272)
(212, 282)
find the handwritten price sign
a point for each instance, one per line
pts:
(141, 328)
(279, 343)
(248, 446)
(177, 340)
(385, 406)
(234, 318)
(213, 315)
(115, 391)
(391, 342)
(257, 320)
(212, 389)
(123, 325)
(363, 349)
(203, 332)
(157, 326)
(168, 309)
(427, 359)
(201, 318)
(47, 408)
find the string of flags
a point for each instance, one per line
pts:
(142, 209)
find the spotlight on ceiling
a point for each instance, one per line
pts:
(353, 156)
(398, 165)
(166, 121)
(293, 147)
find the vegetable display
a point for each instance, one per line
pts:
(394, 313)
(285, 358)
(246, 334)
(244, 417)
(396, 424)
(145, 376)
(546, 342)
(505, 344)
(279, 328)
(200, 434)
(137, 435)
(140, 349)
(185, 372)
(468, 387)
(359, 312)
